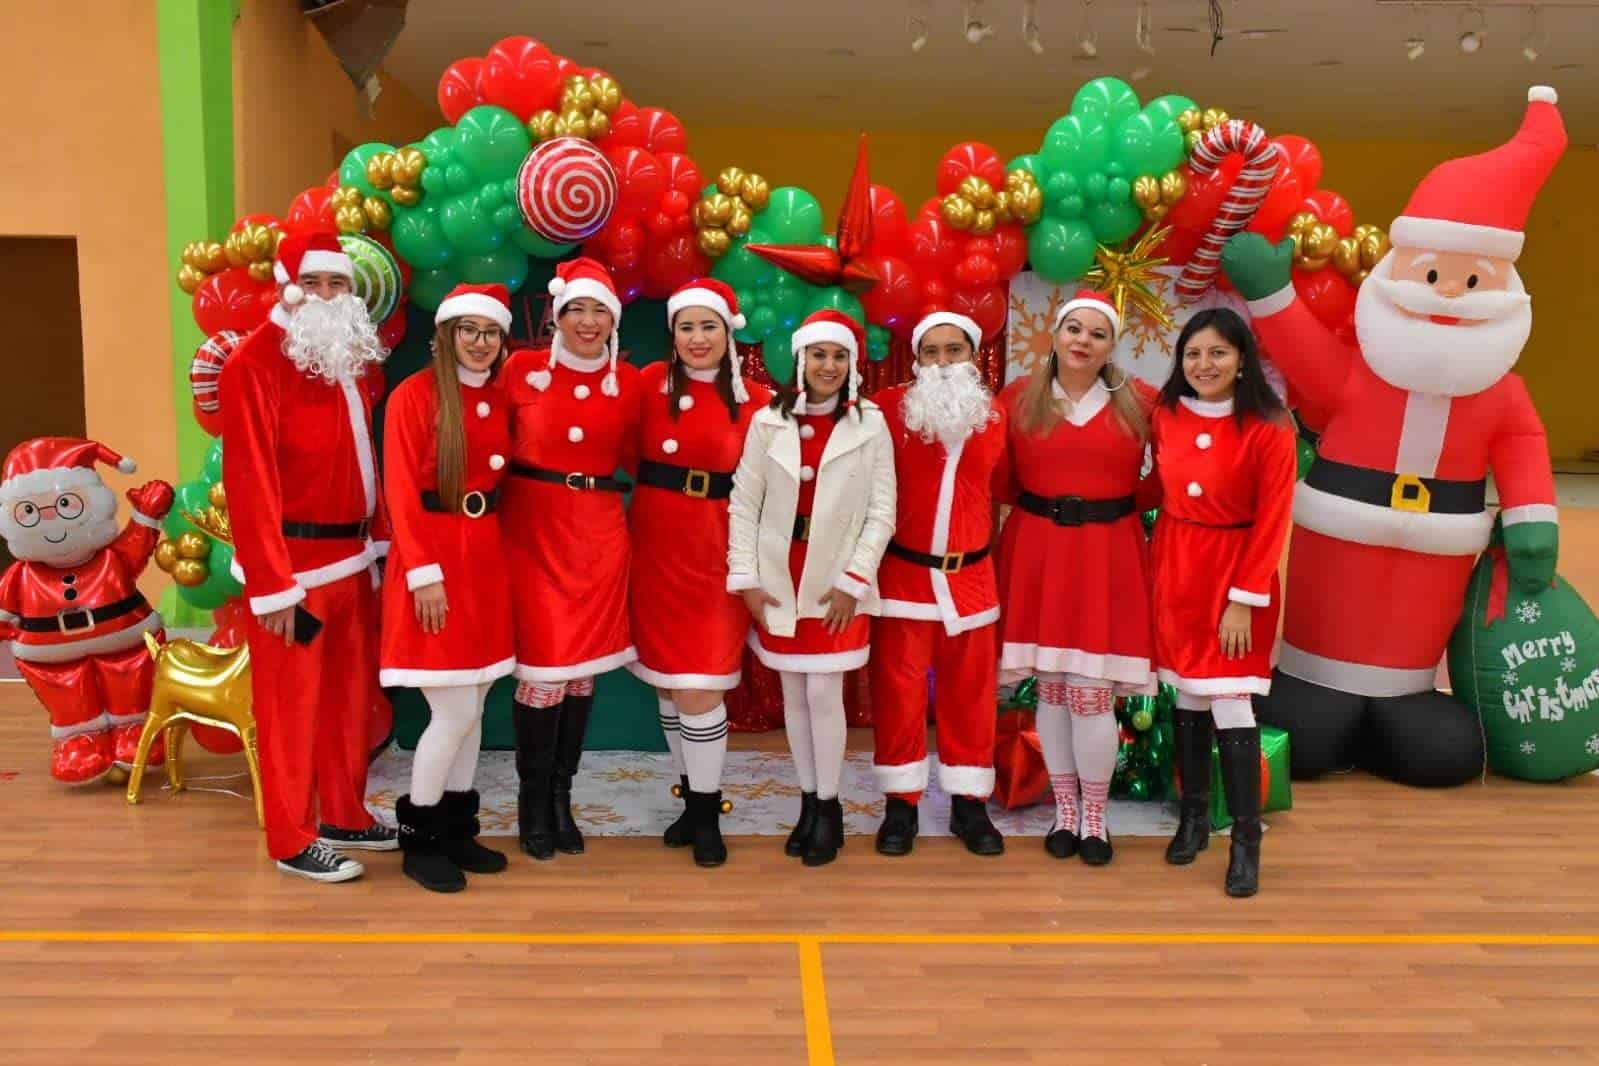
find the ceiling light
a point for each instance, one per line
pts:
(1030, 34)
(1414, 48)
(1143, 34)
(918, 30)
(1087, 41)
(973, 28)
(1532, 41)
(1470, 42)
(1140, 73)
(1471, 33)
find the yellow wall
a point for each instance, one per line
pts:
(1562, 236)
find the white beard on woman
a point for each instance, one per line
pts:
(948, 403)
(333, 339)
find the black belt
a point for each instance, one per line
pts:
(1074, 510)
(81, 619)
(473, 504)
(328, 530)
(701, 484)
(802, 527)
(575, 482)
(1402, 492)
(1205, 525)
(948, 564)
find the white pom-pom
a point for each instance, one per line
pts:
(556, 286)
(610, 386)
(807, 432)
(496, 462)
(293, 294)
(575, 434)
(126, 466)
(685, 402)
(1194, 489)
(582, 392)
(1203, 441)
(739, 321)
(807, 473)
(669, 446)
(1544, 94)
(539, 379)
(483, 409)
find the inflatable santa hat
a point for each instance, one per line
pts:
(1479, 204)
(492, 302)
(46, 463)
(719, 297)
(1093, 300)
(309, 252)
(838, 328)
(575, 279)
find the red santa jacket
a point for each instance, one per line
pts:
(70, 598)
(299, 450)
(945, 505)
(1373, 424)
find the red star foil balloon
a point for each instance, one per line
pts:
(817, 264)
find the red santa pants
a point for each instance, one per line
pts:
(78, 694)
(965, 671)
(313, 704)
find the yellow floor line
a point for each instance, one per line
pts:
(818, 1029)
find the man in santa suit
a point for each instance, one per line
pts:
(302, 482)
(939, 599)
(71, 605)
(1389, 520)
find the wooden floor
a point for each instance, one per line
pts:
(1393, 926)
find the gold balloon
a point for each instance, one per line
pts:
(218, 496)
(984, 221)
(406, 195)
(958, 211)
(213, 257)
(190, 572)
(577, 96)
(235, 249)
(407, 166)
(1191, 139)
(713, 242)
(1173, 187)
(599, 123)
(755, 192)
(1320, 240)
(1190, 120)
(730, 181)
(1024, 199)
(978, 191)
(715, 210)
(576, 123)
(1213, 117)
(1346, 256)
(1358, 278)
(192, 545)
(166, 555)
(193, 254)
(1302, 222)
(1364, 230)
(189, 278)
(261, 271)
(346, 196)
(377, 170)
(350, 219)
(738, 223)
(1373, 247)
(378, 212)
(1146, 192)
(607, 93)
(542, 125)
(1158, 212)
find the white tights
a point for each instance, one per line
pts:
(1232, 711)
(813, 716)
(446, 754)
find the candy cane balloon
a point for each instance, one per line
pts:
(1261, 160)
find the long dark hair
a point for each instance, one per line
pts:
(448, 431)
(788, 392)
(677, 374)
(1252, 393)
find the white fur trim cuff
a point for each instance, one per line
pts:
(852, 586)
(147, 521)
(1383, 527)
(1270, 305)
(474, 303)
(1359, 678)
(904, 777)
(1029, 659)
(98, 724)
(694, 682)
(1542, 94)
(742, 582)
(973, 331)
(1249, 599)
(317, 261)
(398, 677)
(422, 576)
(837, 662)
(702, 298)
(975, 781)
(824, 333)
(1216, 686)
(604, 664)
(576, 290)
(1531, 512)
(277, 601)
(1445, 235)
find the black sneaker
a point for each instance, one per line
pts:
(378, 837)
(321, 863)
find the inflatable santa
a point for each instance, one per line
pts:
(70, 604)
(1389, 520)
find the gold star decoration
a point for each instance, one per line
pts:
(1125, 276)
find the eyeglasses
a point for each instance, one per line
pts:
(472, 334)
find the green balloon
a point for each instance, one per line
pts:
(467, 227)
(507, 266)
(1063, 195)
(1033, 164)
(836, 298)
(1114, 221)
(353, 170)
(418, 239)
(1306, 455)
(742, 268)
(1096, 188)
(430, 287)
(1077, 145)
(439, 145)
(1105, 100)
(1060, 251)
(778, 354)
(878, 339)
(1147, 146)
(759, 321)
(792, 216)
(491, 142)
(218, 587)
(1167, 108)
(533, 244)
(211, 470)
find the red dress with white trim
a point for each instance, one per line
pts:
(1228, 496)
(813, 648)
(462, 551)
(688, 629)
(1075, 598)
(566, 544)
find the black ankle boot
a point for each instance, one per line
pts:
(1240, 776)
(680, 834)
(421, 836)
(827, 832)
(573, 727)
(802, 826)
(1194, 731)
(460, 838)
(535, 760)
(897, 834)
(968, 819)
(705, 815)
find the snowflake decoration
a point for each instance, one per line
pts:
(1529, 612)
(1508, 678)
(1568, 664)
(1031, 340)
(1593, 744)
(1528, 747)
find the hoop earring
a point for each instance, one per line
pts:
(1119, 385)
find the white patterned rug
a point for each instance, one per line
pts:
(628, 793)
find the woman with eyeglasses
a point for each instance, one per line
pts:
(446, 608)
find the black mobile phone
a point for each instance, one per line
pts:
(306, 625)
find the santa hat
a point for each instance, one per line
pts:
(826, 326)
(577, 278)
(1479, 204)
(719, 297)
(57, 462)
(492, 302)
(973, 331)
(310, 252)
(1094, 300)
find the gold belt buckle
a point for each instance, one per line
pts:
(697, 483)
(474, 505)
(952, 562)
(579, 482)
(1410, 494)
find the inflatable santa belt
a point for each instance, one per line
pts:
(1402, 492)
(75, 620)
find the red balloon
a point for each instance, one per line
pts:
(890, 230)
(458, 88)
(1279, 206)
(271, 221)
(619, 245)
(935, 295)
(1010, 249)
(672, 263)
(392, 329)
(965, 160)
(1332, 209)
(660, 224)
(209, 421)
(1180, 245)
(985, 306)
(1199, 205)
(231, 300)
(976, 270)
(682, 176)
(895, 299)
(520, 75)
(1328, 295)
(650, 128)
(1303, 157)
(629, 283)
(640, 181)
(312, 209)
(935, 247)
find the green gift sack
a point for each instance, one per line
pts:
(1276, 790)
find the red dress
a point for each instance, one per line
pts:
(466, 553)
(1075, 599)
(813, 648)
(567, 549)
(1228, 496)
(689, 630)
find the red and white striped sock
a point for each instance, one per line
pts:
(1065, 789)
(1095, 795)
(1055, 739)
(540, 693)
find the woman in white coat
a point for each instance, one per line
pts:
(811, 514)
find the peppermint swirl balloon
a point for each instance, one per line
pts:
(566, 190)
(205, 369)
(377, 275)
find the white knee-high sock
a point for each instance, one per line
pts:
(797, 724)
(672, 730)
(1094, 742)
(464, 769)
(824, 694)
(456, 709)
(704, 747)
(1055, 738)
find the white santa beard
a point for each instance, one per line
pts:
(333, 339)
(948, 402)
(1429, 357)
(86, 534)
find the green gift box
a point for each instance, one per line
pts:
(1276, 790)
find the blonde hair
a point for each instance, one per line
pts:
(1037, 413)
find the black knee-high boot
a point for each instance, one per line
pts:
(1194, 730)
(568, 753)
(536, 729)
(1240, 776)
